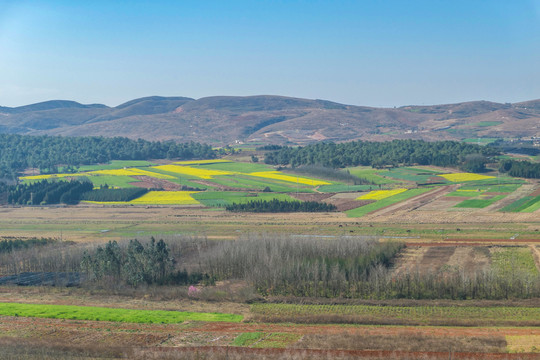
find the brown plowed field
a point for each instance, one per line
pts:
(198, 336)
(416, 202)
(153, 183)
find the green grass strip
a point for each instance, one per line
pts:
(363, 210)
(111, 314)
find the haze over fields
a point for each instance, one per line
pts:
(272, 119)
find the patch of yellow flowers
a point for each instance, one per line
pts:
(458, 177)
(131, 172)
(380, 194)
(276, 175)
(157, 198)
(190, 171)
(199, 162)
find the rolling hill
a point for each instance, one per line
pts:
(272, 119)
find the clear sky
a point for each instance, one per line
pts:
(377, 53)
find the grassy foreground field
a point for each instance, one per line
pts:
(110, 314)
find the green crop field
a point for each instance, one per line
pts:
(412, 174)
(370, 174)
(399, 314)
(240, 167)
(222, 198)
(363, 210)
(112, 180)
(110, 314)
(479, 203)
(525, 204)
(532, 208)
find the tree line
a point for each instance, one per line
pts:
(520, 168)
(9, 245)
(47, 193)
(18, 152)
(379, 154)
(275, 206)
(353, 268)
(106, 194)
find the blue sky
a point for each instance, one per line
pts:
(376, 53)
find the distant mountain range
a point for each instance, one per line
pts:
(223, 120)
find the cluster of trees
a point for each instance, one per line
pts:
(47, 152)
(136, 264)
(10, 245)
(46, 193)
(379, 154)
(275, 205)
(301, 266)
(518, 168)
(106, 194)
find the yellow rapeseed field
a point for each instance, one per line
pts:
(458, 177)
(113, 172)
(166, 198)
(380, 194)
(197, 162)
(276, 175)
(130, 172)
(49, 176)
(156, 198)
(186, 170)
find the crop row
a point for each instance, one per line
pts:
(501, 314)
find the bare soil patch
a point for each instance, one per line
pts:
(435, 258)
(415, 202)
(345, 204)
(220, 187)
(149, 182)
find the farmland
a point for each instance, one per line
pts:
(228, 180)
(450, 266)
